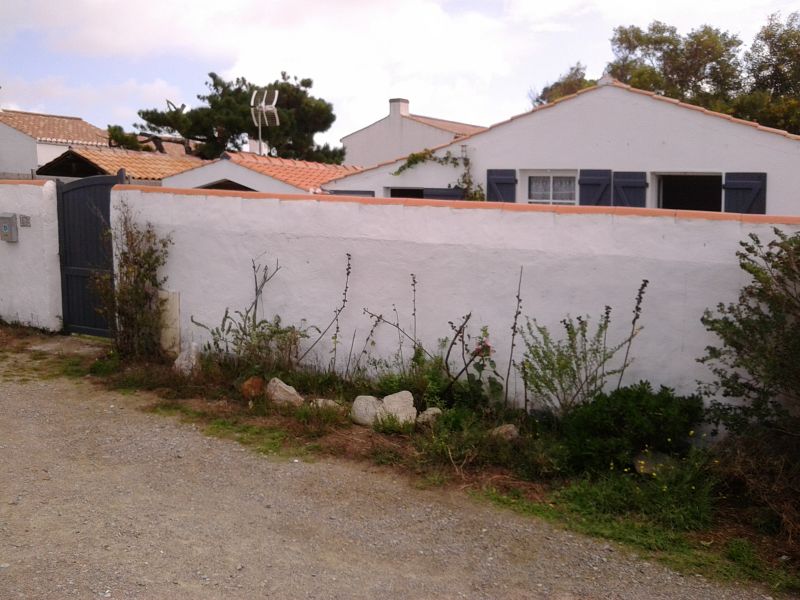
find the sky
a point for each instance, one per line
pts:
(465, 60)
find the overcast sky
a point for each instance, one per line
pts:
(466, 60)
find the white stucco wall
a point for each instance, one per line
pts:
(17, 153)
(575, 261)
(390, 138)
(30, 272)
(225, 169)
(612, 128)
(45, 152)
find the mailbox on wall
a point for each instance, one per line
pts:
(8, 227)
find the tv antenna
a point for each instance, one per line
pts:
(265, 113)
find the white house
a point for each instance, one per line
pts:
(30, 140)
(247, 171)
(610, 145)
(399, 134)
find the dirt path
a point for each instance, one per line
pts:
(98, 499)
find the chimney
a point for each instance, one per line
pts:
(398, 106)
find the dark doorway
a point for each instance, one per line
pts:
(406, 193)
(691, 192)
(85, 249)
(227, 184)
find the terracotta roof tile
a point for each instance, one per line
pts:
(138, 165)
(459, 129)
(301, 174)
(54, 128)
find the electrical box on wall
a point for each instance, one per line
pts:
(8, 227)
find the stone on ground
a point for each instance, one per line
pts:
(507, 431)
(401, 407)
(282, 394)
(428, 417)
(253, 388)
(366, 410)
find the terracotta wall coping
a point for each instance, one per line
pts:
(622, 211)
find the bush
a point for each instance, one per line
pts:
(561, 374)
(762, 463)
(679, 498)
(613, 428)
(129, 298)
(461, 438)
(758, 365)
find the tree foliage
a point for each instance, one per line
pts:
(119, 138)
(707, 67)
(574, 80)
(223, 119)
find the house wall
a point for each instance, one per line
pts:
(46, 152)
(17, 153)
(611, 128)
(391, 138)
(225, 169)
(30, 272)
(466, 257)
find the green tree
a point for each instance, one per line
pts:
(118, 138)
(702, 67)
(574, 80)
(773, 76)
(223, 120)
(706, 67)
(773, 60)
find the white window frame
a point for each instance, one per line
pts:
(526, 174)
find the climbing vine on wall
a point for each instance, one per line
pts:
(464, 181)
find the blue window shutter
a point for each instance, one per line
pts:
(595, 187)
(453, 193)
(746, 193)
(501, 185)
(630, 189)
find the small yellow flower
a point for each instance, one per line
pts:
(691, 433)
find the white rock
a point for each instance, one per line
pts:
(281, 394)
(188, 360)
(401, 406)
(507, 431)
(325, 403)
(366, 410)
(428, 417)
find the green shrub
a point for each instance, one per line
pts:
(757, 364)
(613, 428)
(679, 498)
(562, 374)
(758, 361)
(129, 299)
(390, 425)
(461, 438)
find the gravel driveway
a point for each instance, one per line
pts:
(101, 500)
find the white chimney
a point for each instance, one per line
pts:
(398, 107)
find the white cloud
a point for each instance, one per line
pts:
(102, 105)
(468, 60)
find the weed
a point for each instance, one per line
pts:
(264, 440)
(382, 455)
(390, 425)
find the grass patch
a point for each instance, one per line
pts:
(390, 425)
(386, 456)
(264, 440)
(738, 561)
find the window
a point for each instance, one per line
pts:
(691, 192)
(552, 189)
